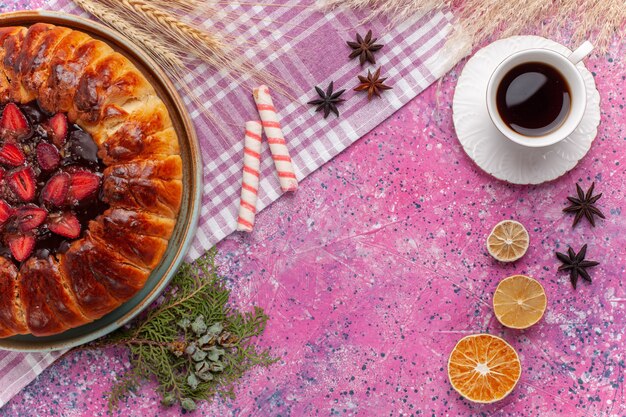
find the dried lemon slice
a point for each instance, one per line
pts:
(508, 241)
(483, 368)
(519, 302)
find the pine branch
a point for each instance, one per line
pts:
(193, 344)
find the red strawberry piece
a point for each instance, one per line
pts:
(64, 224)
(13, 120)
(58, 129)
(30, 217)
(11, 155)
(21, 246)
(2, 172)
(48, 156)
(55, 190)
(22, 182)
(83, 184)
(5, 212)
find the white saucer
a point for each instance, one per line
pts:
(495, 153)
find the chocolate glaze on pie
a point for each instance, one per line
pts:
(102, 92)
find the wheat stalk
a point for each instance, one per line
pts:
(154, 48)
(606, 18)
(478, 20)
(176, 28)
(195, 12)
(108, 15)
(194, 5)
(222, 53)
(187, 7)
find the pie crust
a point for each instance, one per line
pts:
(106, 95)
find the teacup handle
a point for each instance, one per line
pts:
(582, 51)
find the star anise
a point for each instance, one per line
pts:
(328, 101)
(584, 205)
(364, 48)
(576, 264)
(373, 84)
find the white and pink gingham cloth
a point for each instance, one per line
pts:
(305, 48)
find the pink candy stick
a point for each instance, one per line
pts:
(250, 181)
(275, 138)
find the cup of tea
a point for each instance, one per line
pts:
(537, 97)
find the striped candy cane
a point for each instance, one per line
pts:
(275, 138)
(250, 181)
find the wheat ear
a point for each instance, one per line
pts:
(224, 54)
(114, 20)
(177, 28)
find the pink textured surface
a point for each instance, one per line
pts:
(375, 268)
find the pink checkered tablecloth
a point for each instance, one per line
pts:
(304, 47)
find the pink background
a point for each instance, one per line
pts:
(375, 268)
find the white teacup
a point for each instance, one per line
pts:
(566, 66)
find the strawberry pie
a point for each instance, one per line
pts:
(90, 179)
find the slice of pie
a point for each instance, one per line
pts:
(90, 179)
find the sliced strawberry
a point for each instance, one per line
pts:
(58, 129)
(2, 172)
(83, 184)
(30, 217)
(13, 120)
(6, 211)
(55, 190)
(22, 182)
(64, 224)
(48, 156)
(21, 246)
(11, 155)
